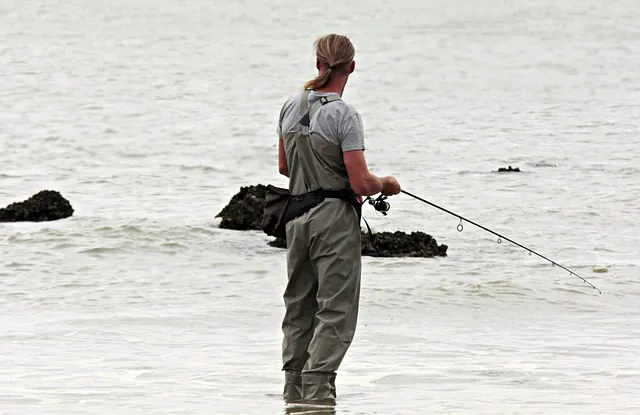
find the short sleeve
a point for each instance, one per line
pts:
(352, 133)
(279, 126)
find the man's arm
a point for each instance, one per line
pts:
(283, 168)
(362, 181)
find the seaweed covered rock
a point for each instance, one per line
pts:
(509, 169)
(393, 244)
(46, 205)
(244, 211)
(401, 244)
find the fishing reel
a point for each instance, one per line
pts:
(380, 204)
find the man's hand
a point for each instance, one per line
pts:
(390, 186)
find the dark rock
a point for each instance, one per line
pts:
(401, 244)
(393, 244)
(244, 211)
(509, 169)
(46, 205)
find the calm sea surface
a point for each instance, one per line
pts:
(148, 116)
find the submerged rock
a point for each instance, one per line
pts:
(509, 169)
(46, 205)
(278, 243)
(244, 211)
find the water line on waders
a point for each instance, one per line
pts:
(381, 205)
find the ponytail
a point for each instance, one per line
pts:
(319, 81)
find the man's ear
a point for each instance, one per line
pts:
(352, 67)
(317, 64)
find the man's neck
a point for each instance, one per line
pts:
(333, 86)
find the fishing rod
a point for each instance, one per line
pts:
(381, 205)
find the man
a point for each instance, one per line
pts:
(321, 145)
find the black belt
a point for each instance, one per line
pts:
(300, 204)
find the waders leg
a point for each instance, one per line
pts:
(300, 309)
(336, 254)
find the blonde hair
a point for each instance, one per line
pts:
(334, 52)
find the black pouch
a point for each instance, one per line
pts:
(280, 207)
(301, 204)
(275, 208)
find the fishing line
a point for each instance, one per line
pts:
(381, 205)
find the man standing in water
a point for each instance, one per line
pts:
(321, 145)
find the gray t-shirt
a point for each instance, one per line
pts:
(336, 121)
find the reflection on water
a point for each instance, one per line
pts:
(303, 408)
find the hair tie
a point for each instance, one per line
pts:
(332, 66)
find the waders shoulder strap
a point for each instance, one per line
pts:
(306, 113)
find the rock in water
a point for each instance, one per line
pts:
(46, 205)
(509, 169)
(244, 211)
(393, 244)
(401, 244)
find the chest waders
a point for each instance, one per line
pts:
(323, 263)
